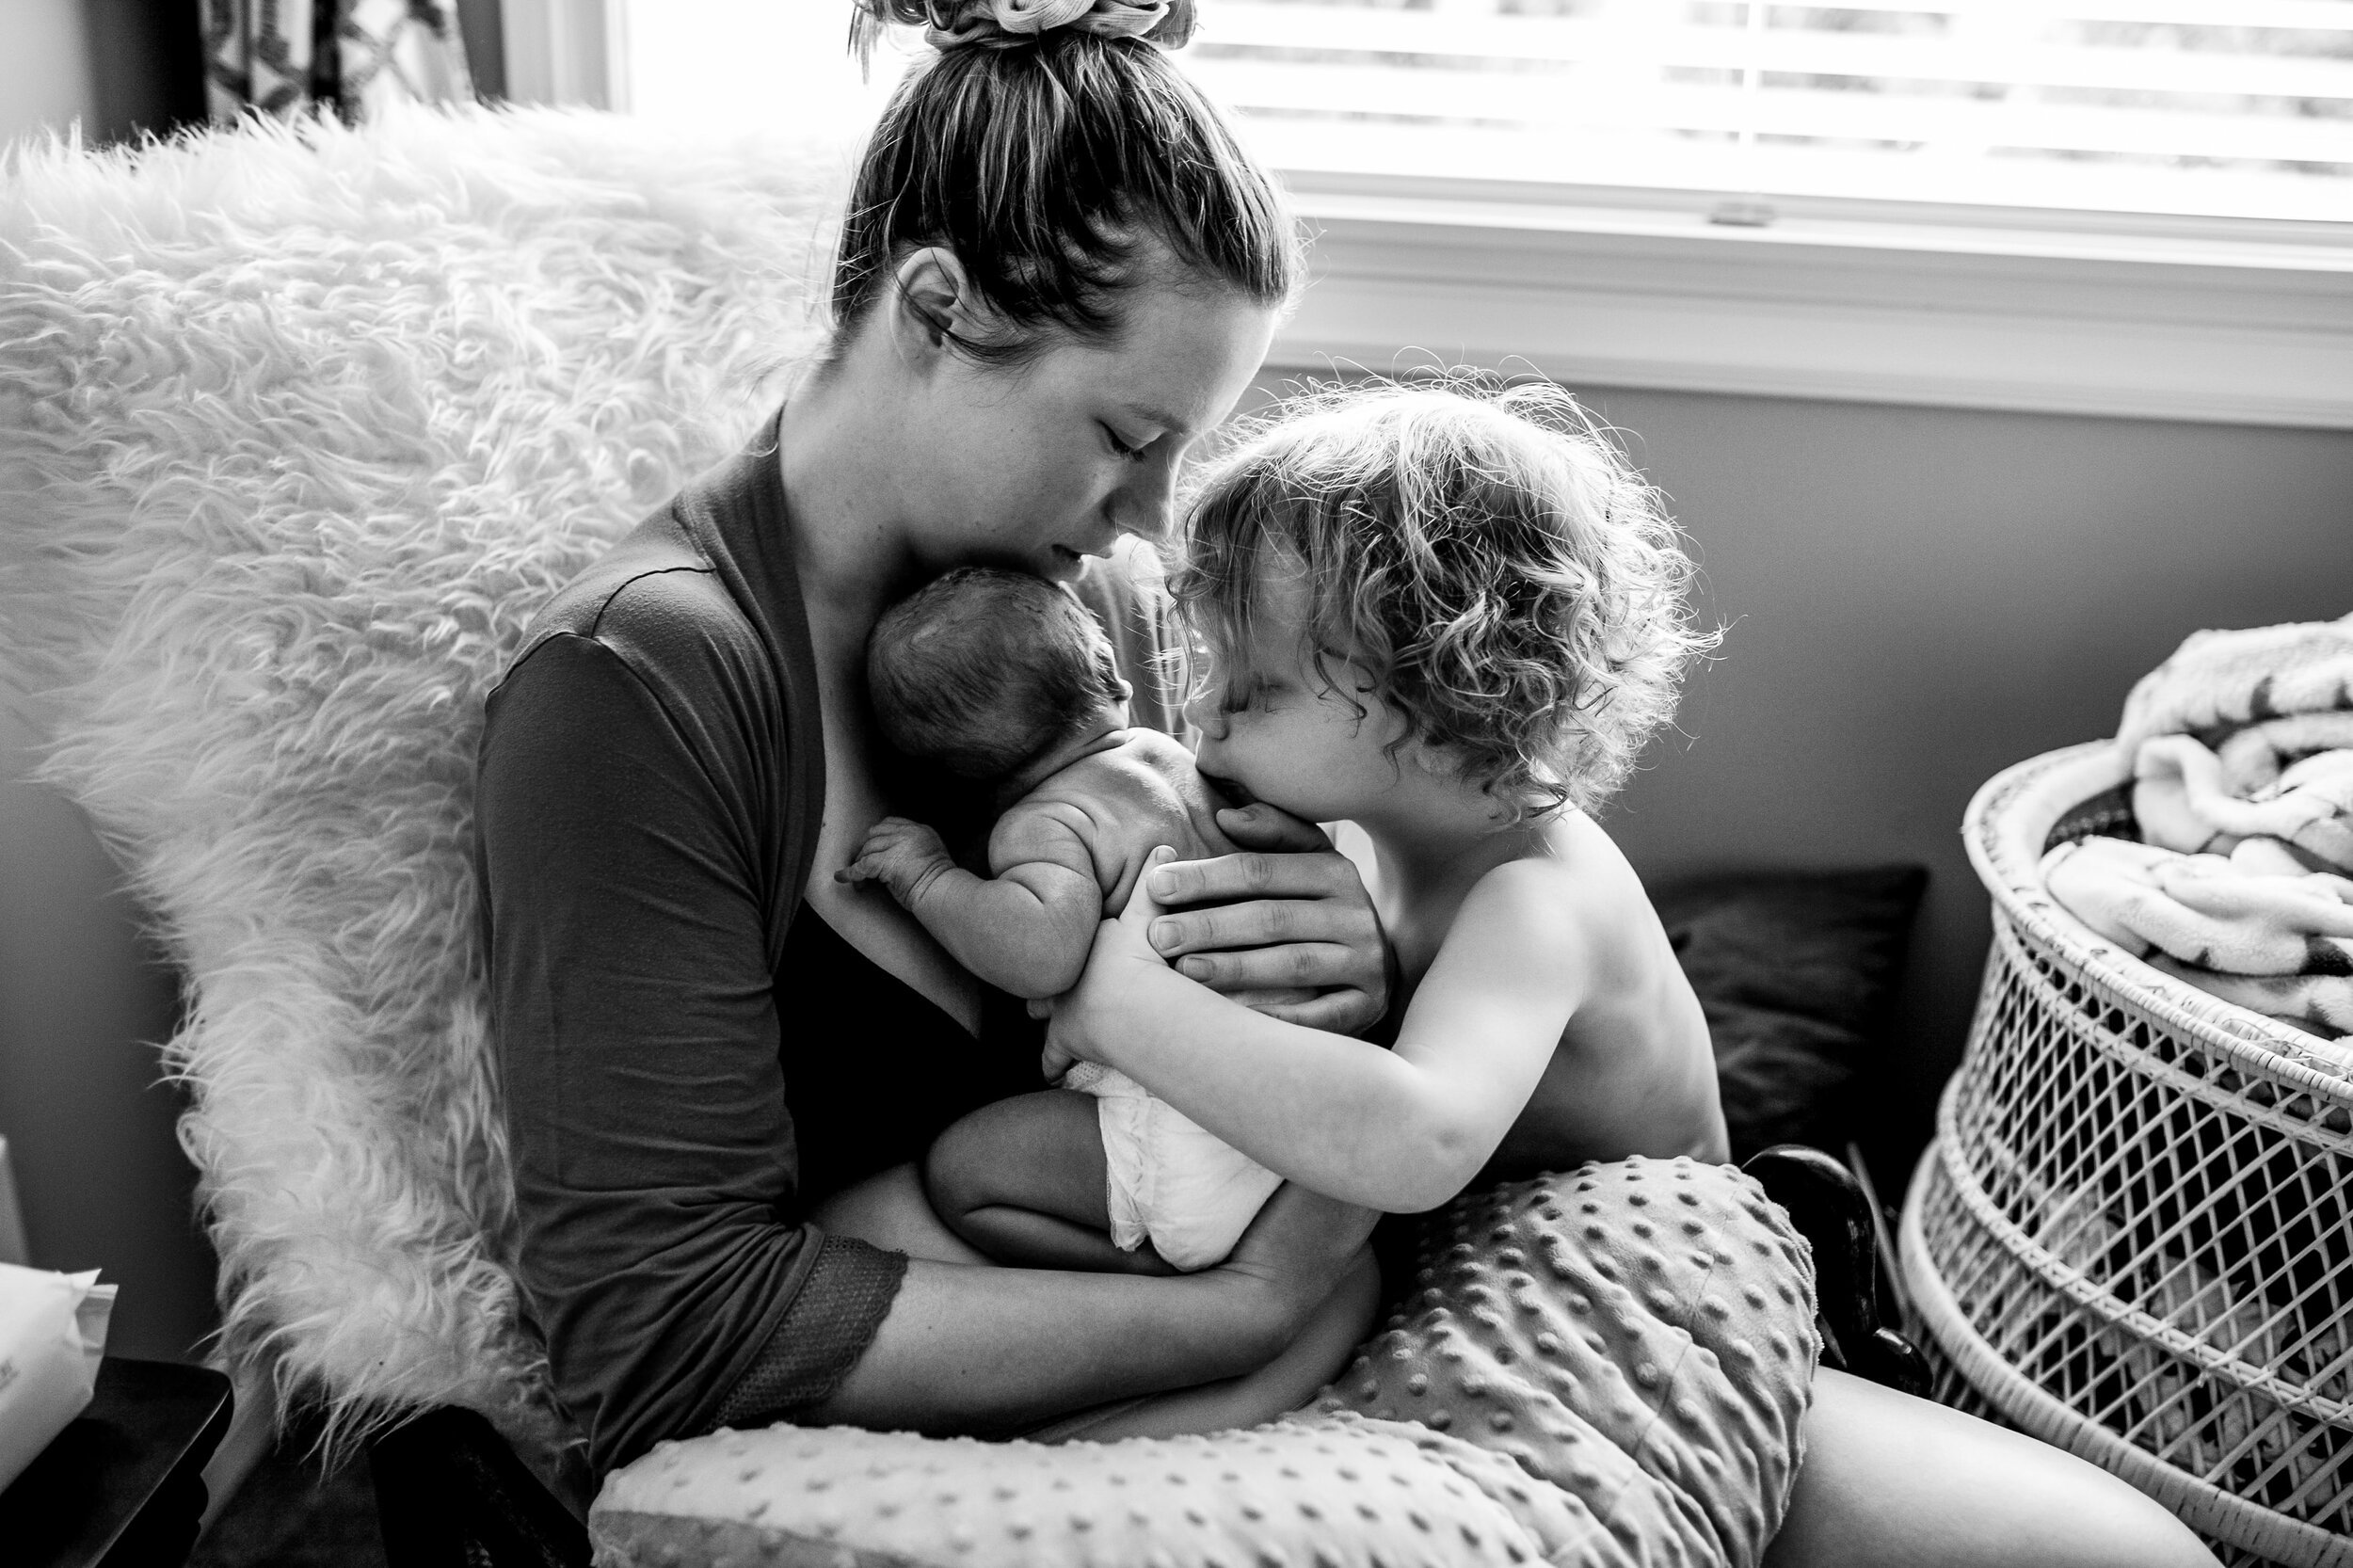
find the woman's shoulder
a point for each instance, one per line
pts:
(658, 604)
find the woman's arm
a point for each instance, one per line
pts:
(968, 1348)
(1402, 1129)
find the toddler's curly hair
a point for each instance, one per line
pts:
(1507, 578)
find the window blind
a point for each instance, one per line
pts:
(2239, 108)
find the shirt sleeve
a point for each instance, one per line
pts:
(637, 1035)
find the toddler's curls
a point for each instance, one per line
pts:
(1504, 575)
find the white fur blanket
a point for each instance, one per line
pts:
(297, 428)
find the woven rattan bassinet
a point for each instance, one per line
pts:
(2132, 1235)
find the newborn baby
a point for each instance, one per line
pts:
(1004, 680)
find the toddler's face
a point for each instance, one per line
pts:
(1292, 740)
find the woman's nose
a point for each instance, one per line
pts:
(1147, 504)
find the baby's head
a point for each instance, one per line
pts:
(1482, 560)
(981, 671)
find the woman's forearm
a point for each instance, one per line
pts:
(1333, 1113)
(993, 1350)
(973, 1348)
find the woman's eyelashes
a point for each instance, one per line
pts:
(1131, 453)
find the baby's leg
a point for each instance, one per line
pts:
(1023, 1181)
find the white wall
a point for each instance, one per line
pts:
(83, 1002)
(46, 79)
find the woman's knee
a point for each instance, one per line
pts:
(1891, 1479)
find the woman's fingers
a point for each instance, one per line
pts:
(1321, 875)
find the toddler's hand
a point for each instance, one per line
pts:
(1121, 962)
(903, 856)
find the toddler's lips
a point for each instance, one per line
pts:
(1232, 790)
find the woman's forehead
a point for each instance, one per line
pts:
(1183, 356)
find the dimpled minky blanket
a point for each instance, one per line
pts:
(297, 428)
(2241, 747)
(1601, 1369)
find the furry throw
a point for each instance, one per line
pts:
(297, 428)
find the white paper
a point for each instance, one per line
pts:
(53, 1335)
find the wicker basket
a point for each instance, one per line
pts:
(2133, 1236)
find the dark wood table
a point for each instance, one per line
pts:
(123, 1484)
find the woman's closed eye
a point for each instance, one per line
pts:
(1133, 453)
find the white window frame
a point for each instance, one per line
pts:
(2223, 320)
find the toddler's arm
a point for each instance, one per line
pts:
(1401, 1130)
(1025, 928)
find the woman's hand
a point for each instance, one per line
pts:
(1121, 973)
(1290, 912)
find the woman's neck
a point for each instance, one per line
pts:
(841, 484)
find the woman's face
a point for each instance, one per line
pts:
(1040, 466)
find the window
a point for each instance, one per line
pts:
(2241, 108)
(2135, 207)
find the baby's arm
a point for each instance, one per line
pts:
(1027, 927)
(1401, 1130)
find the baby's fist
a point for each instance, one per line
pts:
(899, 855)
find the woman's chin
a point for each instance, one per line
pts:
(1059, 565)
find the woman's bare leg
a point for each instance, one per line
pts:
(1891, 1482)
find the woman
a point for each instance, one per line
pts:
(1057, 272)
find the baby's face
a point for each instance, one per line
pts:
(1314, 744)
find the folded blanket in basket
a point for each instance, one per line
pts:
(2248, 801)
(2279, 944)
(2205, 910)
(2241, 748)
(2226, 680)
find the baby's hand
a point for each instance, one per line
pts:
(903, 856)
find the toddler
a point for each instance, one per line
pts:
(1446, 620)
(1003, 679)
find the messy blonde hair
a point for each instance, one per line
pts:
(1506, 577)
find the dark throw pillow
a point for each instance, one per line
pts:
(1797, 971)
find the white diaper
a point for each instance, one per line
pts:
(1192, 1193)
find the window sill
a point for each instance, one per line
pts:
(2218, 321)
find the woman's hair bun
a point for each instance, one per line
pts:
(955, 23)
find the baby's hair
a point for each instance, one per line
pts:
(1509, 580)
(980, 670)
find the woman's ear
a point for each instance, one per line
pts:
(937, 305)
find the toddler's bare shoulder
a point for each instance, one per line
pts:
(1551, 901)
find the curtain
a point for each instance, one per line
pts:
(283, 57)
